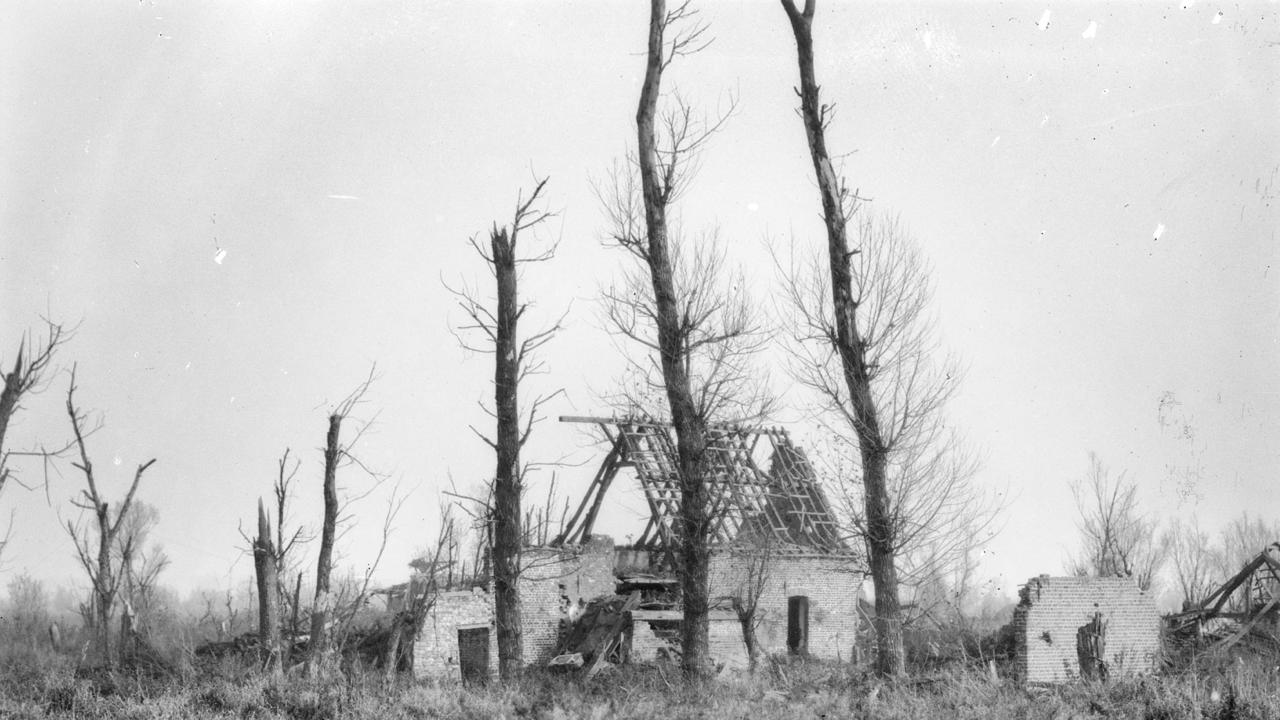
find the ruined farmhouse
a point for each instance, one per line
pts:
(774, 540)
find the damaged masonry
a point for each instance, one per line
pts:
(587, 603)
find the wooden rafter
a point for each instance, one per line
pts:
(784, 506)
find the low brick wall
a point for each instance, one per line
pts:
(832, 585)
(1052, 609)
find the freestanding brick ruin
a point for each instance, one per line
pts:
(773, 526)
(1054, 628)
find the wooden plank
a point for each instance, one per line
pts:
(1249, 626)
(614, 628)
(1231, 585)
(589, 523)
(657, 615)
(570, 530)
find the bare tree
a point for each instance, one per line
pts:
(140, 566)
(337, 454)
(25, 378)
(420, 596)
(867, 346)
(285, 542)
(671, 320)
(26, 611)
(1241, 539)
(105, 573)
(514, 361)
(746, 600)
(356, 591)
(852, 343)
(1191, 556)
(265, 558)
(1116, 538)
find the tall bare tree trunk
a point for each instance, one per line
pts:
(264, 560)
(504, 534)
(852, 350)
(124, 647)
(294, 622)
(506, 484)
(324, 565)
(104, 585)
(690, 427)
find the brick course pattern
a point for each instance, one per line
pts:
(1052, 609)
(435, 651)
(559, 582)
(556, 584)
(659, 640)
(832, 584)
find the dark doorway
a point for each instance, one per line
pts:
(473, 655)
(798, 625)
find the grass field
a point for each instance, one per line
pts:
(45, 685)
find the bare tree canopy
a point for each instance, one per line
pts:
(1117, 540)
(106, 565)
(26, 377)
(1191, 559)
(937, 512)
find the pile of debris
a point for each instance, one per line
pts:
(1244, 613)
(601, 635)
(598, 638)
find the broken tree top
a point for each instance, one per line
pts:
(782, 509)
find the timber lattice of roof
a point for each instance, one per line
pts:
(1250, 599)
(783, 508)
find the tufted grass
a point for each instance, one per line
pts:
(34, 685)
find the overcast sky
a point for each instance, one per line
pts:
(244, 205)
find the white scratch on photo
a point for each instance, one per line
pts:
(1090, 32)
(1044, 21)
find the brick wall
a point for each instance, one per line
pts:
(1052, 609)
(435, 651)
(831, 584)
(654, 640)
(556, 584)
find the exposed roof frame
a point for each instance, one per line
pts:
(784, 507)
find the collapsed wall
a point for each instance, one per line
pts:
(1053, 620)
(828, 584)
(459, 638)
